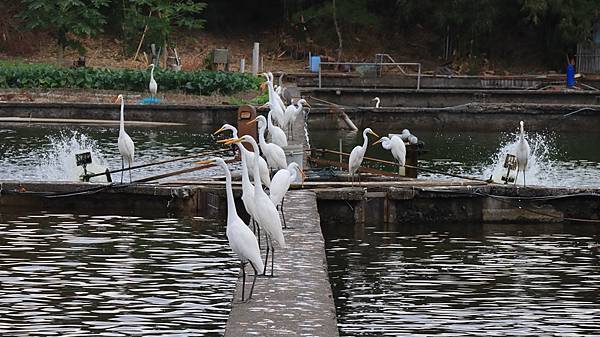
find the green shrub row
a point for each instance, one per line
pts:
(202, 82)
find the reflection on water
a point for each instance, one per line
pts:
(490, 280)
(113, 276)
(561, 159)
(47, 152)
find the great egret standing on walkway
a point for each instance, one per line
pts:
(281, 184)
(241, 239)
(152, 86)
(266, 213)
(522, 149)
(277, 135)
(358, 153)
(126, 147)
(396, 146)
(275, 102)
(262, 164)
(272, 152)
(291, 113)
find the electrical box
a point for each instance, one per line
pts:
(247, 113)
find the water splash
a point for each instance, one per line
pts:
(543, 166)
(58, 160)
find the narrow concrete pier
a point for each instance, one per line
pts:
(298, 301)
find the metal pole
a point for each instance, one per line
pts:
(341, 150)
(319, 75)
(255, 58)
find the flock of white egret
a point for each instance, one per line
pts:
(260, 206)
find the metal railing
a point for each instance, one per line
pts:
(377, 66)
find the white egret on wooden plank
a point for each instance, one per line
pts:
(124, 142)
(358, 153)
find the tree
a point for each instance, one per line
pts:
(66, 20)
(158, 19)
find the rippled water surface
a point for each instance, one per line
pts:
(67, 275)
(490, 280)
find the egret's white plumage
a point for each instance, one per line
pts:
(153, 87)
(292, 112)
(358, 153)
(273, 153)
(281, 182)
(377, 102)
(275, 102)
(267, 216)
(396, 146)
(249, 156)
(405, 134)
(241, 239)
(277, 135)
(522, 153)
(125, 144)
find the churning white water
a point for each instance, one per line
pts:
(59, 164)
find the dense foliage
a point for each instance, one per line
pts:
(48, 76)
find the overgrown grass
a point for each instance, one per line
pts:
(202, 82)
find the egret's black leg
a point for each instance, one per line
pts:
(130, 172)
(283, 214)
(253, 280)
(516, 177)
(272, 257)
(266, 257)
(243, 279)
(122, 169)
(258, 231)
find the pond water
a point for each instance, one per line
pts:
(47, 152)
(557, 160)
(78, 275)
(497, 280)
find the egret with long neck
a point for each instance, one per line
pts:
(358, 153)
(153, 86)
(273, 153)
(125, 144)
(397, 147)
(522, 153)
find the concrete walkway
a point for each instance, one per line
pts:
(298, 301)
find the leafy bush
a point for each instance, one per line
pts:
(19, 75)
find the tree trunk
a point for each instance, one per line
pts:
(337, 30)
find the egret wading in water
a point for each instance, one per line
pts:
(377, 102)
(153, 86)
(267, 216)
(262, 164)
(273, 153)
(281, 184)
(357, 155)
(522, 153)
(241, 239)
(126, 147)
(397, 147)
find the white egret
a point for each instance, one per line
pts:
(413, 140)
(281, 184)
(262, 164)
(522, 149)
(358, 153)
(152, 86)
(274, 104)
(126, 146)
(396, 146)
(291, 113)
(405, 134)
(377, 102)
(277, 135)
(278, 98)
(267, 216)
(241, 239)
(273, 153)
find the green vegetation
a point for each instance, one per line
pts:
(20, 75)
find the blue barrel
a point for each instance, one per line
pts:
(314, 63)
(570, 75)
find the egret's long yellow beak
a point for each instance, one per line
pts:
(308, 105)
(373, 133)
(205, 162)
(377, 142)
(232, 140)
(252, 121)
(218, 131)
(224, 141)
